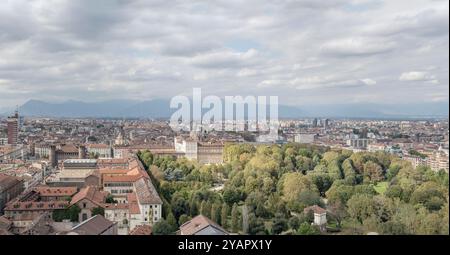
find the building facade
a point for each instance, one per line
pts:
(10, 188)
(13, 129)
(304, 138)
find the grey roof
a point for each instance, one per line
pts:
(201, 225)
(146, 192)
(7, 181)
(95, 225)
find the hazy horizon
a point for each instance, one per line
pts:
(160, 108)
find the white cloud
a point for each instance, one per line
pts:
(357, 47)
(224, 59)
(98, 50)
(270, 83)
(417, 76)
(245, 72)
(369, 81)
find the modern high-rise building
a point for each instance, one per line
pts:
(13, 128)
(326, 123)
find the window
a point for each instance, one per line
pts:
(84, 205)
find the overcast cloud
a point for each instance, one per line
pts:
(306, 52)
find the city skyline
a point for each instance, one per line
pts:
(242, 120)
(305, 52)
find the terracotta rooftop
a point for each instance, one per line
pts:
(144, 230)
(98, 146)
(197, 224)
(69, 148)
(315, 208)
(90, 193)
(113, 171)
(120, 178)
(33, 205)
(56, 191)
(132, 203)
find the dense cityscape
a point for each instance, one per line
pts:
(224, 126)
(139, 177)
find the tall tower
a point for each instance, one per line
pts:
(13, 128)
(32, 149)
(81, 152)
(326, 123)
(52, 156)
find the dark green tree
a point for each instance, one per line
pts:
(162, 228)
(224, 215)
(255, 225)
(307, 229)
(279, 224)
(172, 222)
(98, 210)
(235, 219)
(183, 219)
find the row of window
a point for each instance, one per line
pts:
(118, 184)
(121, 191)
(115, 215)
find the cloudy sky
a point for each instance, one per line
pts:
(304, 51)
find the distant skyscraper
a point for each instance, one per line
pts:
(326, 123)
(314, 123)
(13, 129)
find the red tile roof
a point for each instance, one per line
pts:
(120, 178)
(132, 203)
(315, 208)
(144, 230)
(113, 171)
(56, 191)
(91, 193)
(69, 148)
(35, 206)
(98, 146)
(197, 224)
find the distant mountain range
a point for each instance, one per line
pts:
(159, 108)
